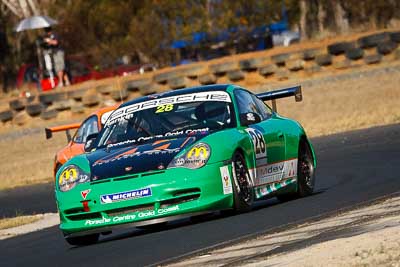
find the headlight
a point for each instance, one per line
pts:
(195, 158)
(70, 177)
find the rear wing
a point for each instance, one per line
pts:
(66, 128)
(287, 92)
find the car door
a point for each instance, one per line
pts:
(267, 137)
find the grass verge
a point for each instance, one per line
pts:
(7, 223)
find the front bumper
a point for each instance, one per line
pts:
(174, 193)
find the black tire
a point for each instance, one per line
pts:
(34, 109)
(310, 54)
(373, 39)
(305, 170)
(206, 79)
(48, 98)
(194, 71)
(149, 89)
(323, 60)
(235, 75)
(119, 95)
(6, 115)
(162, 78)
(134, 85)
(17, 105)
(221, 68)
(77, 94)
(251, 64)
(49, 114)
(243, 193)
(372, 59)
(355, 53)
(340, 47)
(91, 100)
(178, 82)
(385, 48)
(295, 64)
(280, 59)
(268, 70)
(105, 89)
(395, 36)
(83, 240)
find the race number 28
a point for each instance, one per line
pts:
(258, 142)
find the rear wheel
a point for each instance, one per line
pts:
(242, 187)
(305, 171)
(305, 174)
(83, 240)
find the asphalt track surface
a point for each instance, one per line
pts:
(353, 167)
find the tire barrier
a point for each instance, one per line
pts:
(63, 105)
(323, 60)
(21, 118)
(235, 75)
(17, 104)
(91, 100)
(49, 98)
(119, 95)
(77, 94)
(340, 47)
(268, 70)
(343, 64)
(193, 72)
(310, 54)
(337, 56)
(49, 114)
(372, 59)
(6, 115)
(280, 59)
(252, 64)
(221, 69)
(295, 64)
(207, 79)
(34, 109)
(105, 89)
(373, 39)
(134, 85)
(162, 78)
(178, 83)
(354, 53)
(395, 37)
(386, 47)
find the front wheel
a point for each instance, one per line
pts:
(83, 240)
(243, 193)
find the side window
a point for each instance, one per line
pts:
(87, 128)
(266, 112)
(246, 102)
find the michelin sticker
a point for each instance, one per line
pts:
(226, 180)
(122, 196)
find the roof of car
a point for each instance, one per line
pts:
(205, 88)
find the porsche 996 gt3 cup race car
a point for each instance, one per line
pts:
(183, 153)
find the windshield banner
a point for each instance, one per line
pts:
(126, 112)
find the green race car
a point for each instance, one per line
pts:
(183, 153)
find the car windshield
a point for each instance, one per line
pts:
(168, 117)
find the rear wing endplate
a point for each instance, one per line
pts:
(66, 128)
(287, 92)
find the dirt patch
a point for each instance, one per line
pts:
(18, 221)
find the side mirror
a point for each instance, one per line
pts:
(90, 142)
(249, 118)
